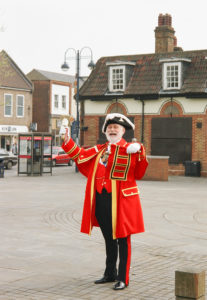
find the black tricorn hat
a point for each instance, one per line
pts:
(116, 118)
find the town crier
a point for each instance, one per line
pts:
(112, 197)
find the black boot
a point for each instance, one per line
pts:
(104, 279)
(120, 285)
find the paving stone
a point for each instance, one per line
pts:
(45, 257)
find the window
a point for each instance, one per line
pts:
(20, 106)
(117, 109)
(172, 76)
(171, 110)
(64, 101)
(56, 101)
(119, 75)
(8, 105)
(117, 78)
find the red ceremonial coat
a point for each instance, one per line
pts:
(123, 170)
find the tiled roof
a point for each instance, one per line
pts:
(11, 76)
(46, 75)
(146, 79)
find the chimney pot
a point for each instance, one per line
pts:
(164, 20)
(168, 20)
(164, 34)
(160, 20)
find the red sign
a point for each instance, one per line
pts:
(25, 156)
(28, 138)
(47, 138)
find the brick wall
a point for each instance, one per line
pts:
(92, 134)
(14, 120)
(199, 137)
(177, 170)
(157, 168)
(41, 105)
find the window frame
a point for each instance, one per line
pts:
(111, 69)
(179, 76)
(19, 105)
(64, 97)
(5, 115)
(56, 107)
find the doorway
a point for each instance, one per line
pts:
(172, 137)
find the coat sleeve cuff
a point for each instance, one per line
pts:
(71, 148)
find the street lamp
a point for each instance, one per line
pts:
(65, 67)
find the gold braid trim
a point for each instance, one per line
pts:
(76, 155)
(122, 156)
(113, 169)
(93, 182)
(73, 148)
(80, 161)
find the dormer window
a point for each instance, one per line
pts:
(117, 78)
(172, 76)
(119, 73)
(173, 72)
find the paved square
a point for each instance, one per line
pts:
(44, 255)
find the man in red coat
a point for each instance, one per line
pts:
(112, 196)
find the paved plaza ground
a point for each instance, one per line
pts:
(43, 255)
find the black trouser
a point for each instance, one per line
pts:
(122, 245)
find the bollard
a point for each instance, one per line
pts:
(190, 284)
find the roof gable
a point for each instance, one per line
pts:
(40, 75)
(11, 76)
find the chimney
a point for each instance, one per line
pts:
(165, 41)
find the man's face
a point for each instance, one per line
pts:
(114, 133)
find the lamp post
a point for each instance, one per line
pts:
(65, 67)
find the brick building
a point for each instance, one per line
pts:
(52, 101)
(163, 93)
(15, 102)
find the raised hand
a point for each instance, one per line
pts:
(65, 134)
(133, 148)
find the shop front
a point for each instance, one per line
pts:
(9, 136)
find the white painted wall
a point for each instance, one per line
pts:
(95, 107)
(194, 106)
(73, 105)
(189, 106)
(132, 106)
(60, 90)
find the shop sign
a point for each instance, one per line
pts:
(28, 138)
(47, 138)
(13, 129)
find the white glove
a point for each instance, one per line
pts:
(65, 134)
(133, 148)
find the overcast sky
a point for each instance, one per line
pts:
(36, 33)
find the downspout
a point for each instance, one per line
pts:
(142, 132)
(116, 104)
(171, 106)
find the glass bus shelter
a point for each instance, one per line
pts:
(34, 153)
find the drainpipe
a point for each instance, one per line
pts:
(142, 132)
(116, 105)
(171, 107)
